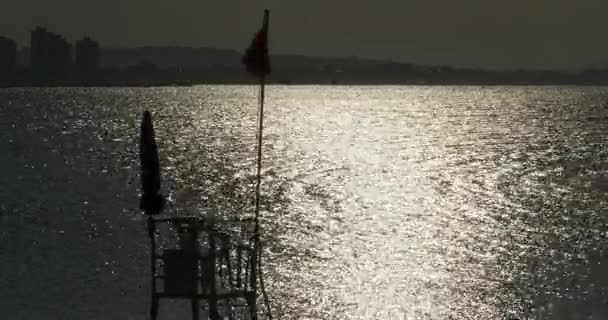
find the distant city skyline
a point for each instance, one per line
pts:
(52, 60)
(549, 34)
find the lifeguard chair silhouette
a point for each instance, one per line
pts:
(190, 257)
(206, 266)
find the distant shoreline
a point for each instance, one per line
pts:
(303, 83)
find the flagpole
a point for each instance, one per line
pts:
(259, 170)
(260, 138)
(256, 258)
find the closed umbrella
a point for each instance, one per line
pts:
(152, 202)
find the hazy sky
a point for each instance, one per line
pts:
(486, 33)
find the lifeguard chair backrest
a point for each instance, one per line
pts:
(180, 271)
(188, 239)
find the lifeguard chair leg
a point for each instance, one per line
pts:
(195, 308)
(154, 307)
(251, 303)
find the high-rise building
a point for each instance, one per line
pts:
(8, 58)
(51, 55)
(87, 58)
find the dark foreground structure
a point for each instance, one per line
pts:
(210, 263)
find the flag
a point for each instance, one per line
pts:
(256, 56)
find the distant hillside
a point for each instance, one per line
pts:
(183, 57)
(180, 57)
(169, 57)
(226, 64)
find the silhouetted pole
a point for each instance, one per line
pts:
(257, 62)
(260, 136)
